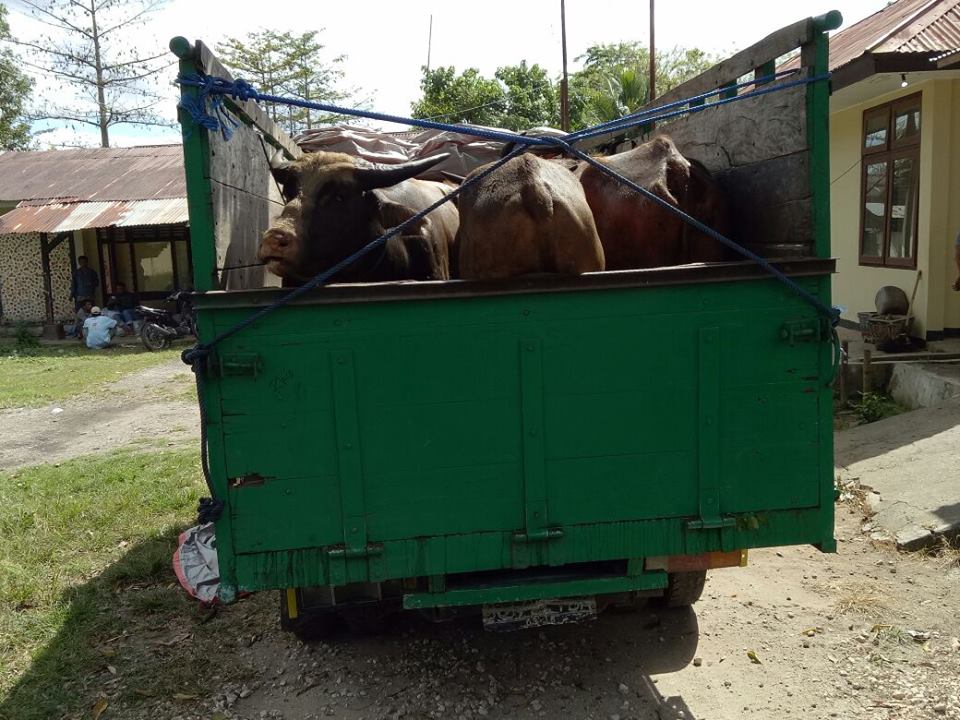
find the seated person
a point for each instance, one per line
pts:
(83, 312)
(98, 330)
(127, 302)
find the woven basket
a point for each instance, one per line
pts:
(877, 328)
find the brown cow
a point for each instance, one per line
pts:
(336, 204)
(528, 216)
(635, 231)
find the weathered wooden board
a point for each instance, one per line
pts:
(743, 132)
(245, 197)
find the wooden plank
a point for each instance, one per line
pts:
(742, 63)
(246, 201)
(253, 113)
(771, 205)
(424, 290)
(745, 132)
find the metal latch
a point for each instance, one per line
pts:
(802, 331)
(240, 364)
(538, 535)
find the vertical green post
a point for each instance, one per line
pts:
(203, 250)
(765, 70)
(196, 163)
(815, 58)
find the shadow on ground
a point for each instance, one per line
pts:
(132, 638)
(129, 635)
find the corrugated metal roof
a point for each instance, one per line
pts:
(136, 173)
(905, 26)
(65, 217)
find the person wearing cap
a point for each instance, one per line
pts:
(98, 329)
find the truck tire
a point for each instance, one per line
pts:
(310, 626)
(683, 588)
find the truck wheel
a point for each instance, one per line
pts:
(683, 588)
(310, 626)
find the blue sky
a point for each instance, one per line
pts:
(386, 42)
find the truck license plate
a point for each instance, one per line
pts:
(504, 617)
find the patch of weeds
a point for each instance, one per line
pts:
(945, 554)
(859, 598)
(26, 340)
(875, 406)
(85, 576)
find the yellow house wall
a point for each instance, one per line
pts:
(854, 286)
(951, 298)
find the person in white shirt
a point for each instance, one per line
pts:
(98, 330)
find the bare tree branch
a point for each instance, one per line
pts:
(60, 22)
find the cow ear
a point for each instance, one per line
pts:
(375, 175)
(288, 179)
(392, 214)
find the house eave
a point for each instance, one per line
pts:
(870, 64)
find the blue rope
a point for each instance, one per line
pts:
(679, 103)
(615, 125)
(191, 355)
(242, 90)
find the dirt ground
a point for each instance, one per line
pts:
(864, 633)
(152, 404)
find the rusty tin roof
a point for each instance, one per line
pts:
(64, 217)
(135, 173)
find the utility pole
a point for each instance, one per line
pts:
(653, 59)
(429, 42)
(564, 88)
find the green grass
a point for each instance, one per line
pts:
(86, 585)
(31, 377)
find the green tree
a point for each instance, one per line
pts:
(532, 97)
(289, 64)
(614, 80)
(14, 91)
(106, 79)
(465, 98)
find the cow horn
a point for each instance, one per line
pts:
(381, 176)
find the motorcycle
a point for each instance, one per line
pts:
(159, 327)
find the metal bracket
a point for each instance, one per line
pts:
(795, 331)
(248, 364)
(339, 552)
(538, 535)
(711, 524)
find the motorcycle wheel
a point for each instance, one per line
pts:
(153, 337)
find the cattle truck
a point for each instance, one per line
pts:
(538, 448)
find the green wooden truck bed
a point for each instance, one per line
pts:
(447, 444)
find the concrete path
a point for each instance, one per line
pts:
(912, 463)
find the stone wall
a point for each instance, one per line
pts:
(21, 279)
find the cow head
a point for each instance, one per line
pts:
(332, 209)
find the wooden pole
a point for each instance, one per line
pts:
(429, 42)
(653, 58)
(844, 364)
(564, 86)
(867, 371)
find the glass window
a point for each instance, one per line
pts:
(154, 266)
(875, 130)
(874, 209)
(890, 183)
(184, 269)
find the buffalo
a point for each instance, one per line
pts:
(336, 204)
(527, 216)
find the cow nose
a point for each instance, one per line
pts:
(278, 238)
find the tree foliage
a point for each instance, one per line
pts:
(615, 79)
(289, 64)
(14, 92)
(106, 79)
(613, 83)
